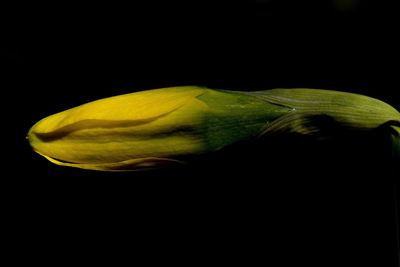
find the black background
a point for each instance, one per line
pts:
(284, 199)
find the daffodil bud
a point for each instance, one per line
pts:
(151, 128)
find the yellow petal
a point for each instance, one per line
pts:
(119, 110)
(126, 165)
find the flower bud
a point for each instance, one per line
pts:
(156, 127)
(150, 128)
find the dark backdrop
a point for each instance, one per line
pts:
(293, 199)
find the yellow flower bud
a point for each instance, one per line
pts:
(156, 127)
(147, 129)
(125, 131)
